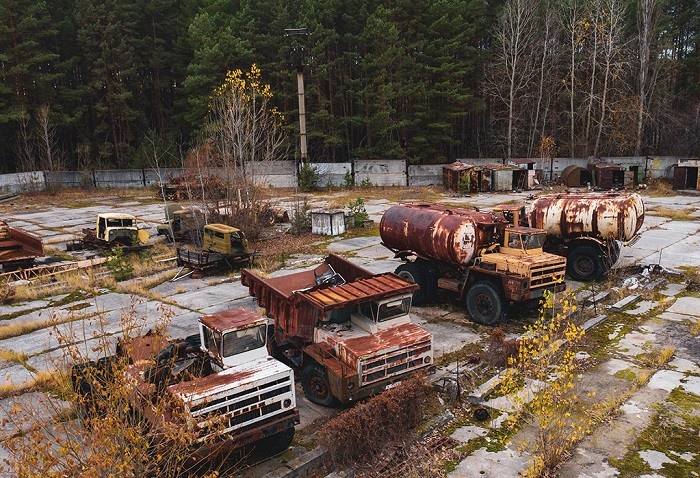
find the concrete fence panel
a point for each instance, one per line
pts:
(332, 174)
(381, 172)
(22, 182)
(119, 178)
(425, 174)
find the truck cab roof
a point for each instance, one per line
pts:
(232, 319)
(116, 215)
(223, 228)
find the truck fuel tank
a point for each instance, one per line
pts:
(454, 235)
(617, 216)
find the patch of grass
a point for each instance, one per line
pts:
(695, 328)
(51, 251)
(22, 328)
(10, 356)
(673, 214)
(655, 357)
(626, 374)
(669, 434)
(41, 381)
(469, 353)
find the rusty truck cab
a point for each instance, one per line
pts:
(233, 337)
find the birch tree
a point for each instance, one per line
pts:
(511, 73)
(613, 46)
(570, 14)
(647, 19)
(245, 132)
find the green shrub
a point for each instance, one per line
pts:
(308, 178)
(358, 211)
(118, 265)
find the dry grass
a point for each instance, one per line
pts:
(673, 214)
(275, 252)
(40, 381)
(10, 356)
(660, 188)
(22, 328)
(695, 328)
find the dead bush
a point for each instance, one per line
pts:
(499, 349)
(359, 434)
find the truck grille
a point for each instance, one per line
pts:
(396, 362)
(546, 274)
(240, 409)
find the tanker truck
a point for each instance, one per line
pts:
(583, 227)
(487, 262)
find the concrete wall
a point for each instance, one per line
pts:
(22, 182)
(425, 175)
(332, 174)
(283, 174)
(381, 172)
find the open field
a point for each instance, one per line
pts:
(665, 315)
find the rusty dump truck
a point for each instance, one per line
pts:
(349, 330)
(18, 248)
(586, 228)
(230, 390)
(487, 262)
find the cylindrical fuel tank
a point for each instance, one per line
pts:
(604, 215)
(454, 235)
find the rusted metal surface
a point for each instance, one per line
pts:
(454, 235)
(402, 336)
(576, 176)
(686, 177)
(453, 173)
(362, 290)
(617, 216)
(17, 245)
(295, 301)
(375, 357)
(232, 319)
(608, 175)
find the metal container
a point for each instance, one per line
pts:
(328, 223)
(454, 235)
(615, 216)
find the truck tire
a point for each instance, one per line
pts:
(314, 381)
(417, 273)
(485, 302)
(276, 443)
(585, 263)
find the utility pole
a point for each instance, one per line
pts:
(298, 53)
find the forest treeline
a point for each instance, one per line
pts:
(110, 84)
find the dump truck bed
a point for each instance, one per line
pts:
(295, 300)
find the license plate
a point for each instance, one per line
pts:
(391, 385)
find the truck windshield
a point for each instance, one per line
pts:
(244, 340)
(396, 308)
(212, 340)
(533, 241)
(120, 222)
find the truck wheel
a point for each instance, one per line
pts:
(314, 381)
(585, 263)
(277, 443)
(485, 303)
(417, 274)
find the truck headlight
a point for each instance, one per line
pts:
(426, 359)
(287, 403)
(351, 385)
